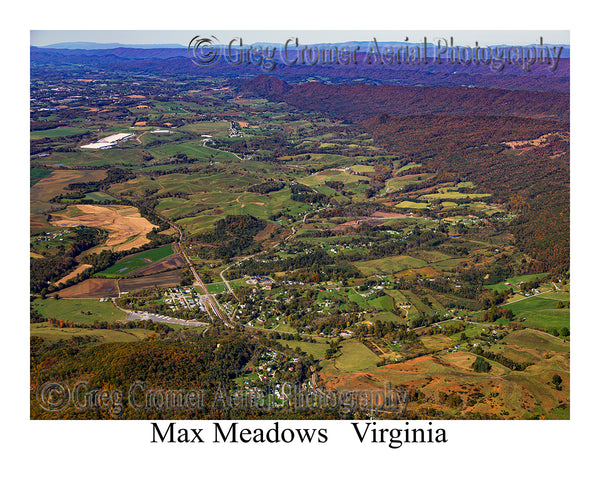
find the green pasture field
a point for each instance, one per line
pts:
(363, 168)
(541, 312)
(75, 310)
(193, 149)
(412, 205)
(176, 207)
(216, 129)
(436, 304)
(500, 287)
(397, 295)
(238, 282)
(410, 165)
(192, 184)
(317, 350)
(199, 223)
(53, 334)
(537, 341)
(127, 265)
(358, 299)
(354, 357)
(382, 303)
(150, 140)
(389, 265)
(416, 302)
(432, 256)
(222, 204)
(216, 287)
(331, 175)
(385, 317)
(517, 353)
(285, 328)
(57, 132)
(453, 195)
(113, 157)
(36, 174)
(99, 197)
(397, 183)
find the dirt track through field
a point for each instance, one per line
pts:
(80, 269)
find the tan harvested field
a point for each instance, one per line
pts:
(379, 214)
(126, 227)
(57, 181)
(53, 185)
(436, 342)
(174, 261)
(166, 279)
(80, 269)
(425, 271)
(265, 233)
(91, 288)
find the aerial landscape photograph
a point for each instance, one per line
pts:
(230, 225)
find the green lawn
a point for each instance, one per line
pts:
(76, 310)
(216, 287)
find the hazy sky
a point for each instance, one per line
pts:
(462, 37)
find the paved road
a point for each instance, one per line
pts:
(210, 303)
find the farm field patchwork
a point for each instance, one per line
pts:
(126, 227)
(373, 229)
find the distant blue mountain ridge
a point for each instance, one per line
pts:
(363, 44)
(106, 46)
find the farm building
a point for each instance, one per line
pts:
(108, 142)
